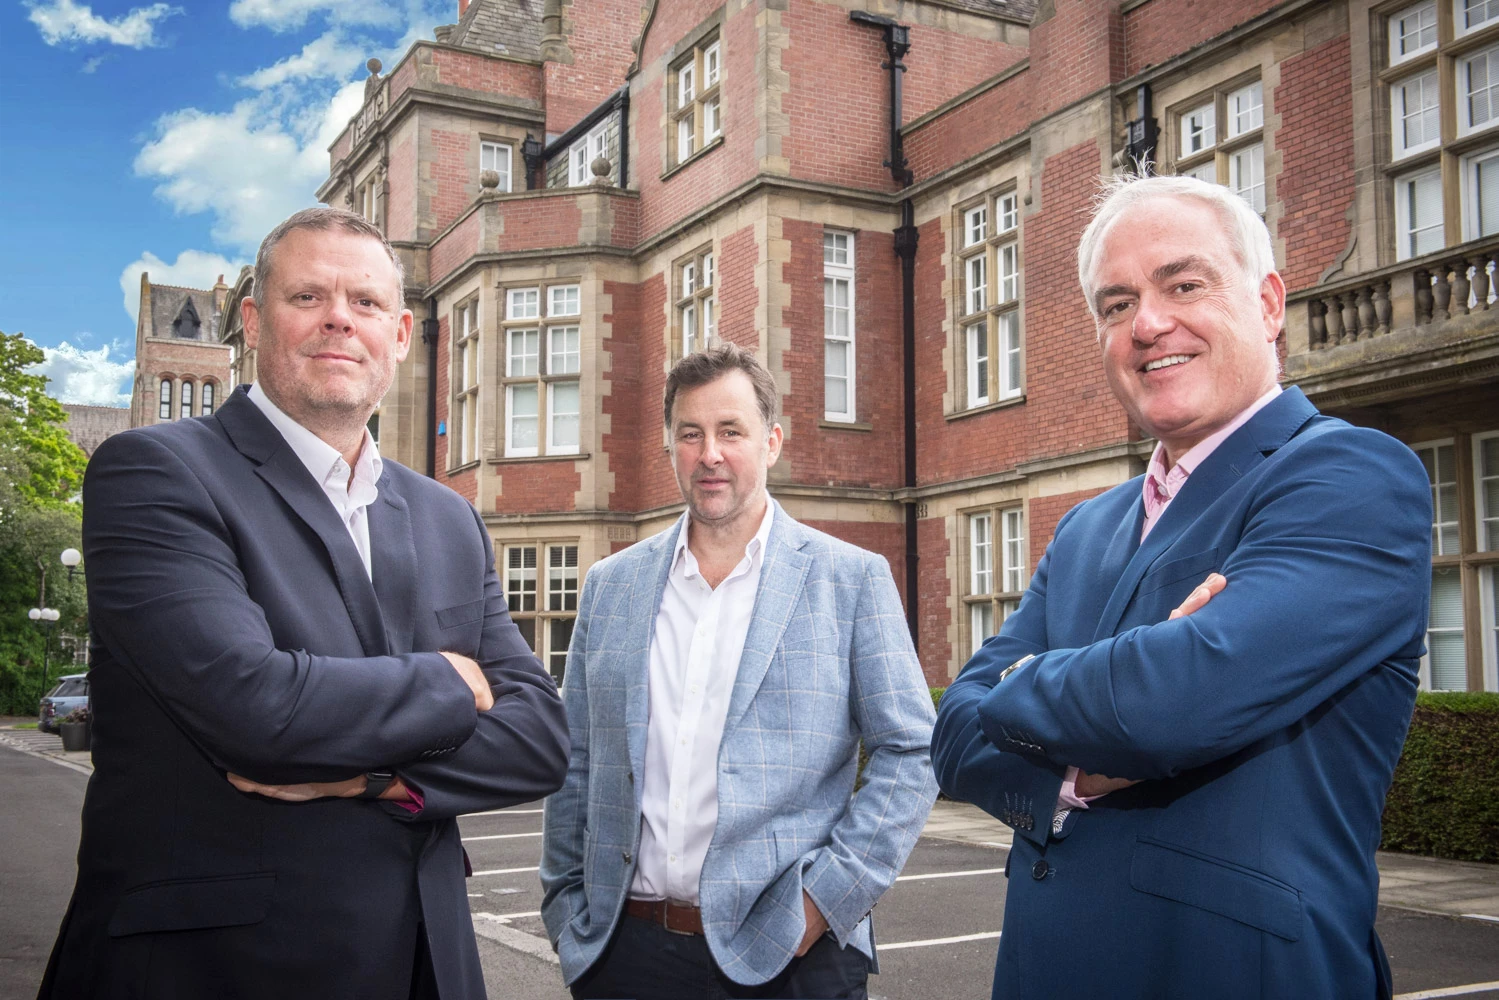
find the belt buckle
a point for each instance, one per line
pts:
(666, 908)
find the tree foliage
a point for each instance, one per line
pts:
(41, 472)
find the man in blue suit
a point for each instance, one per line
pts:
(1195, 769)
(707, 842)
(303, 672)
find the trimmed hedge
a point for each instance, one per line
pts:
(1445, 797)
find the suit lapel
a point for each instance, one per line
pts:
(781, 577)
(393, 558)
(646, 591)
(259, 441)
(1244, 449)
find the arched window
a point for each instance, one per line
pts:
(207, 398)
(187, 398)
(165, 411)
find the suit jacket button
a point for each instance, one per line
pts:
(626, 856)
(1040, 870)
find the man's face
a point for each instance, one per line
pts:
(1186, 347)
(331, 329)
(720, 449)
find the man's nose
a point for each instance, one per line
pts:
(1153, 317)
(338, 318)
(711, 453)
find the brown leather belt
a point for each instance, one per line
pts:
(679, 918)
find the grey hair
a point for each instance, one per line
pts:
(1244, 228)
(321, 219)
(702, 367)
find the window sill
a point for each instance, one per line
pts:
(708, 148)
(472, 464)
(1003, 404)
(524, 459)
(844, 425)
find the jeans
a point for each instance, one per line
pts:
(645, 961)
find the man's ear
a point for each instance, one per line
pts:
(403, 334)
(1273, 304)
(250, 313)
(776, 437)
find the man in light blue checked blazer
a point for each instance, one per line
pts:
(707, 842)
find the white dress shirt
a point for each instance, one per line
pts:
(350, 498)
(694, 659)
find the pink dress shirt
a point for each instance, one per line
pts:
(1159, 489)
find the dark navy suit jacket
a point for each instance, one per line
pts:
(235, 629)
(1264, 728)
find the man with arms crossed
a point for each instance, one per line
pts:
(303, 670)
(1249, 722)
(720, 677)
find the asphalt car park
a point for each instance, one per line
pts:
(938, 928)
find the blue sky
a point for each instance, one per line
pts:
(167, 138)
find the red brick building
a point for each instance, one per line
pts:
(584, 190)
(181, 368)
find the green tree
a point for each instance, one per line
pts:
(41, 471)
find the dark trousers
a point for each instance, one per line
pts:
(645, 961)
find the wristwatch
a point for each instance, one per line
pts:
(376, 782)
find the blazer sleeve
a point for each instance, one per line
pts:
(518, 750)
(1018, 787)
(892, 708)
(168, 599)
(565, 816)
(1328, 580)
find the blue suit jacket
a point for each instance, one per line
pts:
(235, 629)
(1264, 728)
(827, 660)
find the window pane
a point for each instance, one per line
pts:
(1198, 130)
(689, 330)
(685, 89)
(978, 290)
(710, 65)
(1204, 172)
(835, 377)
(520, 578)
(496, 157)
(1476, 12)
(164, 410)
(1009, 347)
(1441, 471)
(1009, 272)
(1488, 493)
(1009, 212)
(565, 358)
(523, 303)
(685, 138)
(1483, 188)
(980, 554)
(522, 418)
(980, 623)
(1418, 208)
(1014, 552)
(563, 399)
(1246, 109)
(1444, 633)
(707, 273)
(975, 225)
(711, 124)
(710, 319)
(1246, 175)
(561, 637)
(562, 578)
(1417, 115)
(835, 308)
(207, 398)
(1412, 30)
(978, 364)
(835, 248)
(524, 351)
(1478, 76)
(187, 399)
(563, 300)
(527, 627)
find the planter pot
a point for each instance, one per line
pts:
(75, 735)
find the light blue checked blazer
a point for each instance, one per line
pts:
(827, 660)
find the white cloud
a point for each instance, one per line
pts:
(65, 21)
(285, 15)
(329, 56)
(87, 377)
(192, 269)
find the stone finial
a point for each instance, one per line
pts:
(489, 180)
(601, 168)
(374, 66)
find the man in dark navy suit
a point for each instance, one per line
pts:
(1193, 718)
(303, 671)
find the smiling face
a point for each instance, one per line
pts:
(721, 450)
(330, 328)
(1186, 345)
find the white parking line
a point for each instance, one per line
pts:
(507, 871)
(986, 936)
(1450, 991)
(506, 916)
(505, 812)
(1481, 916)
(501, 836)
(975, 871)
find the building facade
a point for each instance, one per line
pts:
(181, 367)
(89, 426)
(883, 200)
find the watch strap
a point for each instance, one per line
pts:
(376, 782)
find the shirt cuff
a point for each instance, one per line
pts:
(416, 803)
(1068, 798)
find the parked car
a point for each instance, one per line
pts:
(71, 692)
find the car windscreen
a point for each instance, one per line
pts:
(71, 689)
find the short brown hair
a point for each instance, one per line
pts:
(702, 367)
(321, 219)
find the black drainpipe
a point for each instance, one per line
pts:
(897, 44)
(429, 337)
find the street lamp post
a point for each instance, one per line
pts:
(46, 618)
